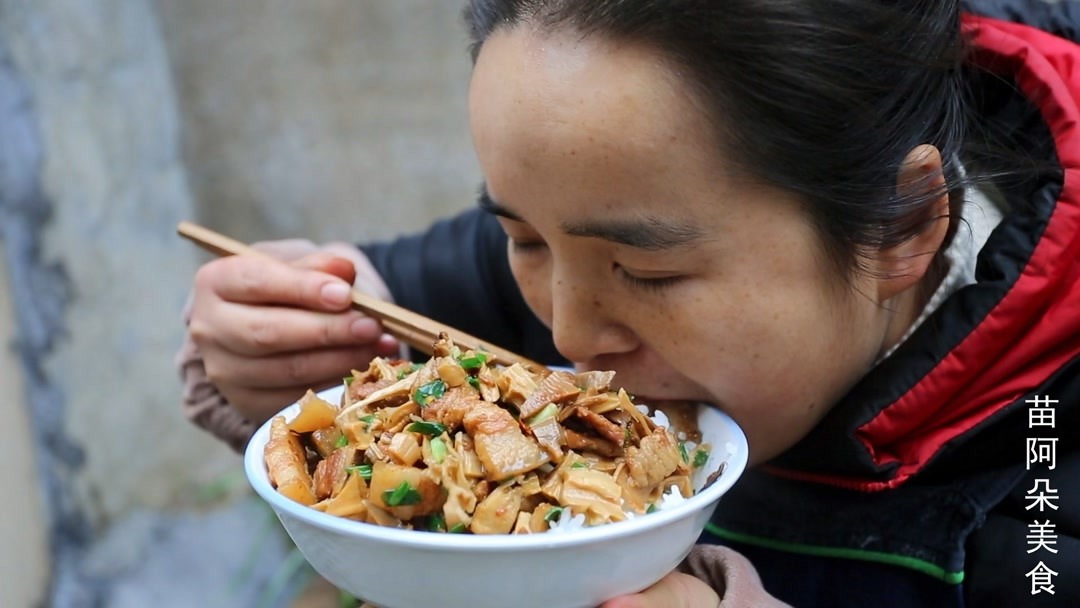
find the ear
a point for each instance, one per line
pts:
(903, 266)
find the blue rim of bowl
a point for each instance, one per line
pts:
(255, 470)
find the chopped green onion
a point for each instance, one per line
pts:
(474, 362)
(548, 411)
(437, 523)
(431, 429)
(701, 456)
(401, 496)
(408, 370)
(652, 508)
(553, 514)
(367, 420)
(341, 442)
(438, 450)
(429, 391)
(682, 452)
(474, 381)
(363, 470)
(347, 380)
(627, 436)
(457, 529)
(579, 465)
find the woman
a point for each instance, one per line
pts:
(795, 210)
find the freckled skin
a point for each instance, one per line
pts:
(757, 324)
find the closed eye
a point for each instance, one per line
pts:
(523, 246)
(654, 284)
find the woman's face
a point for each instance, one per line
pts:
(632, 239)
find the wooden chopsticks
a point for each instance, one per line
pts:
(414, 329)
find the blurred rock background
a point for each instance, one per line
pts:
(327, 119)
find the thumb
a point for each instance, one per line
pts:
(329, 263)
(675, 590)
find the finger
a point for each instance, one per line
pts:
(309, 369)
(258, 331)
(257, 280)
(368, 280)
(675, 590)
(324, 261)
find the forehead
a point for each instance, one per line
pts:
(536, 94)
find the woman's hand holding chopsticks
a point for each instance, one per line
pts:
(269, 330)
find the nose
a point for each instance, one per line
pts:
(583, 325)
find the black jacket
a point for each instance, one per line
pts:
(913, 491)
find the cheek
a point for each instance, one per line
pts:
(772, 358)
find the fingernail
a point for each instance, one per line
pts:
(364, 329)
(336, 294)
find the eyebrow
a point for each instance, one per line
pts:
(489, 205)
(647, 232)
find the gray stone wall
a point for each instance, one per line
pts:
(328, 119)
(331, 119)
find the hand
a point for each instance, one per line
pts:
(268, 331)
(675, 590)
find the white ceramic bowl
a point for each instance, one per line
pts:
(394, 568)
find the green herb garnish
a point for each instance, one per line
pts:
(553, 514)
(438, 450)
(457, 529)
(429, 391)
(437, 523)
(682, 452)
(652, 508)
(700, 457)
(473, 362)
(431, 429)
(579, 465)
(548, 411)
(347, 380)
(363, 470)
(341, 442)
(401, 496)
(408, 370)
(474, 381)
(367, 420)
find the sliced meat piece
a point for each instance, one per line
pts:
(286, 463)
(600, 381)
(655, 459)
(501, 446)
(556, 388)
(450, 409)
(359, 392)
(330, 474)
(583, 443)
(606, 428)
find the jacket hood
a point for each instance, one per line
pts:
(969, 368)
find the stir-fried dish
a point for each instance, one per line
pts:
(459, 444)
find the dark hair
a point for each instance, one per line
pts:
(824, 98)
